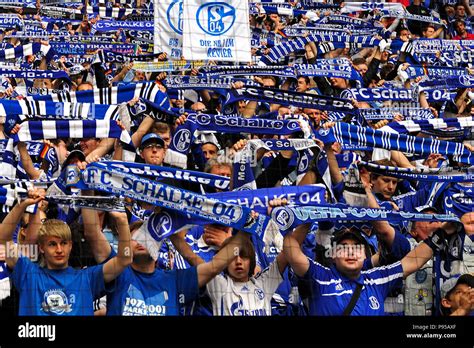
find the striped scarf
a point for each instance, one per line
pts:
(330, 43)
(66, 110)
(411, 126)
(111, 95)
(350, 134)
(420, 174)
(26, 50)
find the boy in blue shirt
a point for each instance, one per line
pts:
(144, 290)
(54, 288)
(332, 288)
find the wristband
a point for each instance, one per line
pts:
(437, 241)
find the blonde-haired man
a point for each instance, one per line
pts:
(54, 288)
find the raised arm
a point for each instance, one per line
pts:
(292, 250)
(8, 226)
(384, 229)
(184, 249)
(117, 264)
(27, 162)
(416, 258)
(207, 271)
(92, 232)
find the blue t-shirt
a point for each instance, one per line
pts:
(331, 292)
(67, 291)
(159, 293)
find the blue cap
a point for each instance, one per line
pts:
(152, 138)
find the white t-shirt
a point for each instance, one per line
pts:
(252, 298)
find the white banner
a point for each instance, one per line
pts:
(168, 38)
(216, 30)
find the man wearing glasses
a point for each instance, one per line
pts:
(152, 149)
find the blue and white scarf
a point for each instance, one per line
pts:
(41, 108)
(430, 174)
(350, 134)
(114, 181)
(103, 25)
(38, 130)
(282, 97)
(26, 50)
(411, 126)
(158, 172)
(112, 95)
(288, 218)
(86, 48)
(244, 160)
(390, 113)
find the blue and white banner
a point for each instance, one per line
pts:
(168, 33)
(216, 30)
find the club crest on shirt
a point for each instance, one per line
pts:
(259, 294)
(374, 303)
(55, 301)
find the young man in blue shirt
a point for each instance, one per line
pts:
(144, 290)
(54, 288)
(332, 287)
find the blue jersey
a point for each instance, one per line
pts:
(67, 291)
(160, 293)
(331, 292)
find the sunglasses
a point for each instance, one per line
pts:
(151, 146)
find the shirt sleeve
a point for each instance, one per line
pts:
(316, 272)
(23, 267)
(400, 246)
(216, 287)
(386, 277)
(187, 284)
(96, 280)
(269, 279)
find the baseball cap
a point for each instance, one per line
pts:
(451, 283)
(76, 70)
(72, 155)
(354, 234)
(424, 208)
(152, 138)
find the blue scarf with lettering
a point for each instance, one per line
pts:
(99, 177)
(389, 113)
(288, 218)
(158, 172)
(277, 96)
